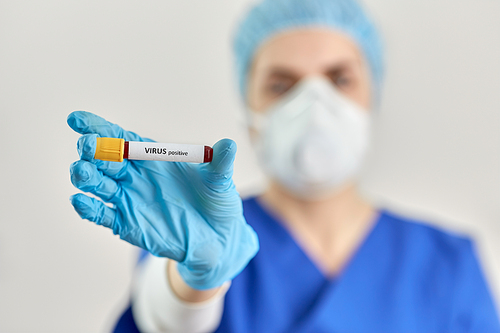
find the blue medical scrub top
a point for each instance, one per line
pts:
(406, 276)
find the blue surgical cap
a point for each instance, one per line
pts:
(273, 16)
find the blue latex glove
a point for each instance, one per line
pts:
(190, 213)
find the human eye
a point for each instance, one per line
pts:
(343, 79)
(277, 88)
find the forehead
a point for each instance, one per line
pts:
(306, 50)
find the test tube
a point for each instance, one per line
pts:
(115, 150)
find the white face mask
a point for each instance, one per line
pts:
(313, 140)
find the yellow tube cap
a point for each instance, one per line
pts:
(109, 149)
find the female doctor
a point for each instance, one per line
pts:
(309, 254)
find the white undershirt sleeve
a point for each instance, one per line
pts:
(157, 309)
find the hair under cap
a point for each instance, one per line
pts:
(270, 17)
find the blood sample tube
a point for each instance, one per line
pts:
(115, 150)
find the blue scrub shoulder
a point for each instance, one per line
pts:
(436, 274)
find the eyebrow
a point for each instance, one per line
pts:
(346, 64)
(282, 72)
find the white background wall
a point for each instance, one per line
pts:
(163, 69)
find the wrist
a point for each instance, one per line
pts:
(185, 292)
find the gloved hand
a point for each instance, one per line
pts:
(190, 213)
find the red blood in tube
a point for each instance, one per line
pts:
(209, 152)
(125, 150)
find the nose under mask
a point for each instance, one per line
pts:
(313, 140)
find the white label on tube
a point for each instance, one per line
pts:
(171, 152)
